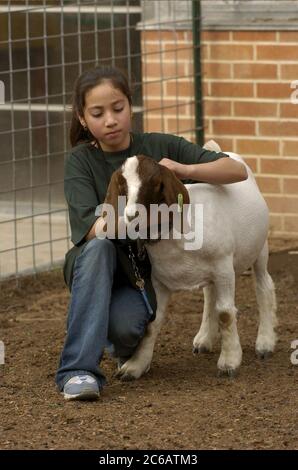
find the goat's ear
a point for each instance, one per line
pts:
(112, 191)
(172, 186)
(112, 197)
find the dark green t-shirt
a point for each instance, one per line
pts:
(88, 171)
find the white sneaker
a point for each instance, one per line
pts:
(81, 387)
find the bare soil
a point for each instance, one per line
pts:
(179, 404)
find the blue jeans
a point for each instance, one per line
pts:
(99, 314)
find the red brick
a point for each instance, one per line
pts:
(183, 124)
(253, 109)
(169, 46)
(179, 88)
(252, 162)
(184, 54)
(278, 128)
(268, 184)
(167, 107)
(289, 110)
(257, 147)
(151, 49)
(163, 70)
(282, 205)
(258, 36)
(230, 89)
(216, 70)
(288, 36)
(277, 52)
(289, 71)
(253, 70)
(233, 127)
(215, 36)
(231, 52)
(152, 89)
(217, 108)
(274, 90)
(153, 123)
(279, 166)
(290, 148)
(291, 186)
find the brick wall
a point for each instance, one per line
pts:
(168, 92)
(247, 79)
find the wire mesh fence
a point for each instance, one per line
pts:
(44, 46)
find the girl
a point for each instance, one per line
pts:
(104, 309)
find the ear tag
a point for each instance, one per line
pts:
(180, 202)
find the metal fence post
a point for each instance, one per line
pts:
(196, 29)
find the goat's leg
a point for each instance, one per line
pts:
(231, 352)
(140, 361)
(208, 332)
(266, 300)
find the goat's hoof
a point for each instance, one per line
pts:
(200, 350)
(230, 373)
(124, 376)
(264, 354)
(127, 378)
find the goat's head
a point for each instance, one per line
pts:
(144, 182)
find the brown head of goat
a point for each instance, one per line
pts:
(144, 182)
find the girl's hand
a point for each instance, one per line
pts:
(178, 168)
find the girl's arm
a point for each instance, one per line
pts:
(222, 171)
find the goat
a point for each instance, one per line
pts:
(235, 228)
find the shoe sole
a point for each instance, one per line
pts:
(87, 395)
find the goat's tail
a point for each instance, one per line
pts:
(212, 145)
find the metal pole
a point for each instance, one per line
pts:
(196, 30)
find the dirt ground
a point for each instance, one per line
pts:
(179, 404)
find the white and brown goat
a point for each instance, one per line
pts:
(235, 229)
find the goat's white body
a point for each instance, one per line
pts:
(235, 229)
(235, 223)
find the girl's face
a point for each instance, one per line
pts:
(107, 114)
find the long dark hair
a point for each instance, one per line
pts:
(85, 82)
